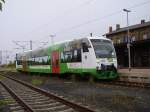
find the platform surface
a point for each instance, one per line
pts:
(135, 75)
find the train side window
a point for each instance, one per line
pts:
(62, 57)
(79, 55)
(19, 62)
(49, 60)
(85, 47)
(68, 56)
(74, 57)
(71, 56)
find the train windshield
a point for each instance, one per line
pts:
(103, 48)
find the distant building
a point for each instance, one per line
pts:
(140, 44)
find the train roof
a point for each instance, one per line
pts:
(94, 37)
(98, 37)
(46, 48)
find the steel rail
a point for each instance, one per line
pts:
(128, 84)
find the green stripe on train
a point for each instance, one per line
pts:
(80, 71)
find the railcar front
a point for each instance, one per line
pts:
(105, 57)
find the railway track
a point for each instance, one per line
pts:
(118, 81)
(27, 98)
(128, 84)
(8, 100)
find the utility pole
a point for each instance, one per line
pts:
(30, 44)
(91, 34)
(52, 39)
(128, 42)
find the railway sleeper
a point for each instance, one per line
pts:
(27, 95)
(32, 97)
(47, 105)
(13, 104)
(16, 108)
(68, 110)
(40, 103)
(35, 100)
(56, 108)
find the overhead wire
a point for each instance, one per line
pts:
(100, 18)
(89, 21)
(62, 14)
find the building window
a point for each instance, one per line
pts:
(132, 38)
(125, 39)
(118, 41)
(114, 41)
(144, 36)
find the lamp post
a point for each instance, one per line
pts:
(128, 42)
(52, 39)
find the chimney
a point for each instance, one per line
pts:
(117, 26)
(142, 21)
(110, 29)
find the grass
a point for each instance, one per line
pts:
(5, 102)
(1, 77)
(120, 99)
(36, 82)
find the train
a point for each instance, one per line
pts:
(88, 56)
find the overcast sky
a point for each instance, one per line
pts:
(24, 20)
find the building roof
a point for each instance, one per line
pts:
(137, 26)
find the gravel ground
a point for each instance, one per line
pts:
(103, 98)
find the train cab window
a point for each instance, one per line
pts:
(85, 47)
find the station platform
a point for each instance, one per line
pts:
(135, 75)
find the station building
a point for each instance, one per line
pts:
(140, 44)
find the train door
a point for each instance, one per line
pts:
(88, 60)
(55, 62)
(24, 63)
(85, 56)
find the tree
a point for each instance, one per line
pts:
(1, 1)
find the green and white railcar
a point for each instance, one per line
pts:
(91, 55)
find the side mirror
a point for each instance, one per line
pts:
(85, 47)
